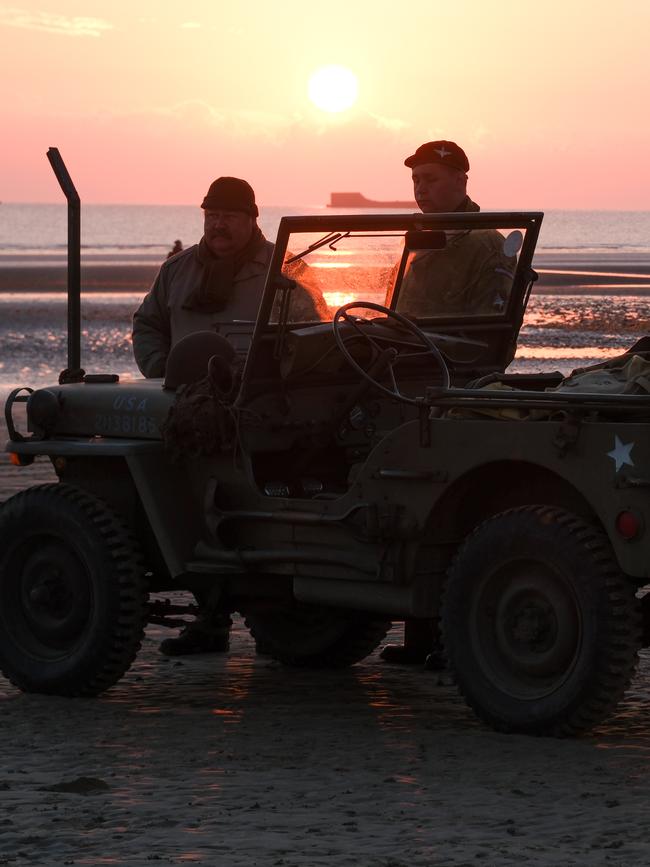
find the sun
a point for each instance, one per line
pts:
(333, 88)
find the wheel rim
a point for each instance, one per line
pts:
(526, 629)
(46, 597)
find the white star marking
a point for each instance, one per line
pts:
(499, 303)
(620, 454)
(443, 153)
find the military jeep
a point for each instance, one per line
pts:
(344, 473)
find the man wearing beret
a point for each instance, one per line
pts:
(471, 274)
(203, 288)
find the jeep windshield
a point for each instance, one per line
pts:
(463, 278)
(427, 267)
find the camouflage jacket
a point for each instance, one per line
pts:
(470, 275)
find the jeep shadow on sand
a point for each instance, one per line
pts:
(371, 465)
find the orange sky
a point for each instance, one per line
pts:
(148, 101)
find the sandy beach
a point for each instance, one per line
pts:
(235, 760)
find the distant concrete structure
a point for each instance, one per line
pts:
(358, 200)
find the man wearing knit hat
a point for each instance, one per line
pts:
(212, 283)
(204, 288)
(471, 274)
(215, 281)
(199, 289)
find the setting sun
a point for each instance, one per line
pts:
(333, 88)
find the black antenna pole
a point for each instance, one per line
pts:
(74, 257)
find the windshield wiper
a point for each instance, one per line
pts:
(330, 239)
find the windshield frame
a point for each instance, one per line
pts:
(351, 223)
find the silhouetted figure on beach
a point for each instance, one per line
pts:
(177, 248)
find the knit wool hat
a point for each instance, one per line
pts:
(230, 194)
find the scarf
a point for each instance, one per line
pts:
(218, 274)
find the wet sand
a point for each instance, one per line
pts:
(234, 760)
(94, 278)
(611, 274)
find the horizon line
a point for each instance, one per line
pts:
(323, 205)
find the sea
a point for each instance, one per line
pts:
(598, 314)
(145, 233)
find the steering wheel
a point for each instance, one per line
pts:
(388, 358)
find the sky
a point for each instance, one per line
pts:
(148, 101)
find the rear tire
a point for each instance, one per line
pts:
(312, 636)
(72, 592)
(540, 626)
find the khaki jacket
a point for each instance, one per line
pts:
(162, 320)
(471, 275)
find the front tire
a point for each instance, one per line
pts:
(72, 593)
(541, 628)
(314, 636)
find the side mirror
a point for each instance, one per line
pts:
(425, 239)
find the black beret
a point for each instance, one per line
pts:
(447, 153)
(230, 194)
